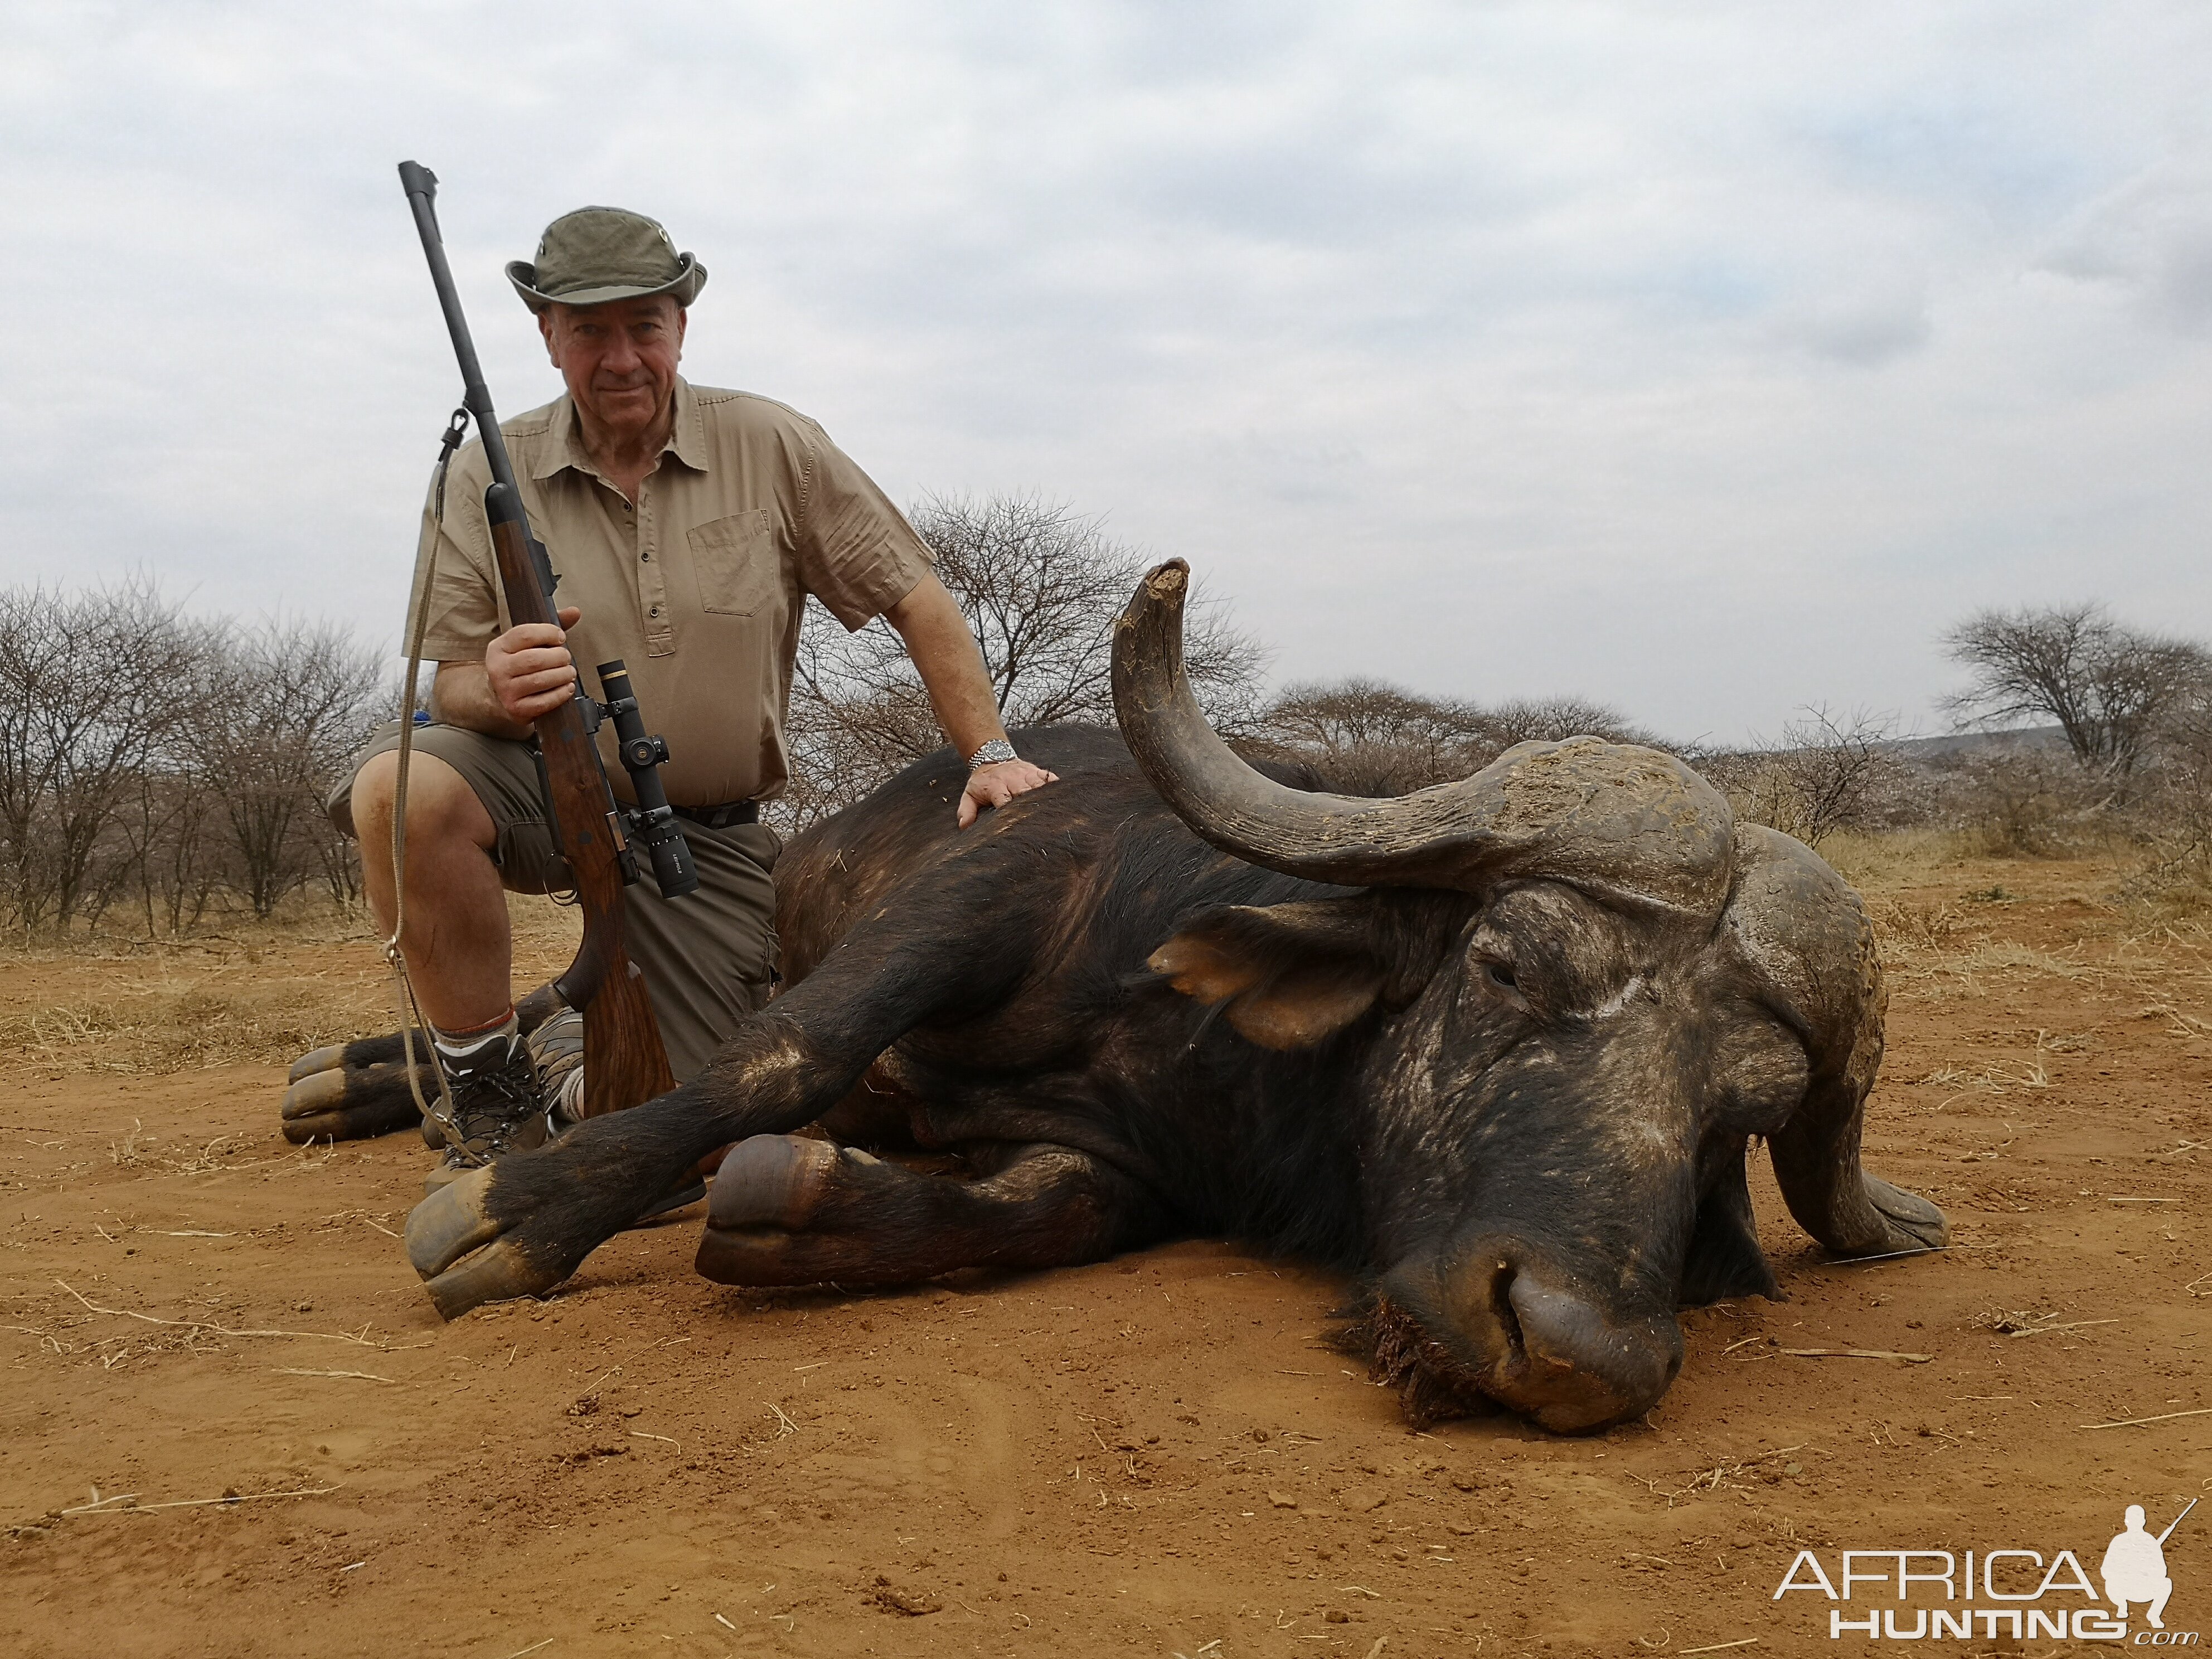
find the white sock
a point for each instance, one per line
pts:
(477, 1051)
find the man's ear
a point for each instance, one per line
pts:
(545, 333)
(1294, 974)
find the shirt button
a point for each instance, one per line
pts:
(645, 558)
(654, 611)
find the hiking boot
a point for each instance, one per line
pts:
(557, 1048)
(498, 1105)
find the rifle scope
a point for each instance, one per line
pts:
(653, 821)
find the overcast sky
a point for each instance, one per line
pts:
(1704, 359)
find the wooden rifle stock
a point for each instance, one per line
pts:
(625, 1061)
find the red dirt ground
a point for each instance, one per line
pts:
(1151, 1455)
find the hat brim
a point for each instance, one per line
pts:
(684, 287)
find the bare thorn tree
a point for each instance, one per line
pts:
(1828, 774)
(172, 824)
(2176, 807)
(91, 695)
(2106, 686)
(1040, 585)
(1369, 738)
(1553, 719)
(182, 758)
(294, 698)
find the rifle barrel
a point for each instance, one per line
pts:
(422, 187)
(2177, 1521)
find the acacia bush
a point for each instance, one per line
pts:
(2169, 812)
(2018, 796)
(2115, 692)
(1369, 738)
(292, 700)
(2129, 756)
(1829, 772)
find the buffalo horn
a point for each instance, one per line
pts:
(1614, 818)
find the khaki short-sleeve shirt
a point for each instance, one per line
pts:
(698, 586)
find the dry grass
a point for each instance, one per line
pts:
(1999, 1077)
(1878, 863)
(130, 1006)
(1909, 927)
(1735, 1474)
(1943, 912)
(177, 1030)
(2004, 956)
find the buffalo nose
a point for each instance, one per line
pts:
(1552, 1350)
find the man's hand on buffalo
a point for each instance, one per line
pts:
(994, 786)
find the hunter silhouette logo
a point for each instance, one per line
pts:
(2134, 1568)
(2021, 1593)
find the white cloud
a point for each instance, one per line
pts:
(1705, 358)
(2151, 239)
(1873, 321)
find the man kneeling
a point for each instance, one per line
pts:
(688, 525)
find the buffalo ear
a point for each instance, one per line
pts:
(1291, 976)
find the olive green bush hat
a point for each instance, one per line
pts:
(600, 253)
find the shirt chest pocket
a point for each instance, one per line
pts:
(736, 561)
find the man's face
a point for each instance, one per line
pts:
(619, 359)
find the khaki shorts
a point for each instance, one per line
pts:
(707, 957)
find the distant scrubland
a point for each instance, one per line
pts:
(161, 774)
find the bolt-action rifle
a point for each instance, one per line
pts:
(2176, 1521)
(625, 1060)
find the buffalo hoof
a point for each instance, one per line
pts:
(772, 1181)
(328, 1059)
(788, 1210)
(520, 1226)
(352, 1090)
(459, 1251)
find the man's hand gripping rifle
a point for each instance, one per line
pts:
(625, 1060)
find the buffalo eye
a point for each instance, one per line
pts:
(1501, 973)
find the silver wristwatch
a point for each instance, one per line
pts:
(991, 754)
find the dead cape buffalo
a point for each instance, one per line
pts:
(1496, 1048)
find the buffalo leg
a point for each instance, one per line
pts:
(523, 1224)
(788, 1211)
(355, 1090)
(352, 1091)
